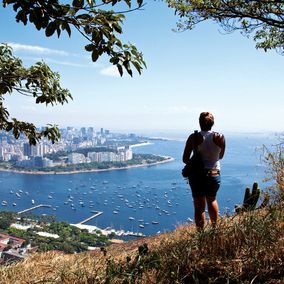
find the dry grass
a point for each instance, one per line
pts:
(245, 249)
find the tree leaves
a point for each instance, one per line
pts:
(37, 81)
(22, 17)
(50, 29)
(78, 3)
(262, 19)
(95, 55)
(101, 27)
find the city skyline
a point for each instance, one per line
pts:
(187, 73)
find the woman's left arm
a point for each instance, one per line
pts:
(187, 149)
(219, 140)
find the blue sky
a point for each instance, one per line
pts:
(189, 72)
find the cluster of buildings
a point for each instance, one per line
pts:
(120, 154)
(13, 249)
(109, 144)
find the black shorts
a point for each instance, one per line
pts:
(205, 186)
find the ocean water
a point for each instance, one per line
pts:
(157, 193)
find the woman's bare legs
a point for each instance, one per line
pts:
(212, 209)
(199, 211)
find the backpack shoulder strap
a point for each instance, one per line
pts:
(195, 140)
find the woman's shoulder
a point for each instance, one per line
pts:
(217, 134)
(219, 139)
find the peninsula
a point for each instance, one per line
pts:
(78, 150)
(87, 168)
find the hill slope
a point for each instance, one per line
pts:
(247, 248)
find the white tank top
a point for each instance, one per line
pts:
(209, 151)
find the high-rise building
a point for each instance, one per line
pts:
(27, 149)
(128, 153)
(90, 133)
(37, 150)
(83, 132)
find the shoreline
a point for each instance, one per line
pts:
(167, 160)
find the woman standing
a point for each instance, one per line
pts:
(211, 147)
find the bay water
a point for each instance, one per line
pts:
(147, 199)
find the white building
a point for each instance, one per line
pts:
(76, 158)
(121, 156)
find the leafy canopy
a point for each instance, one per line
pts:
(98, 24)
(38, 81)
(264, 19)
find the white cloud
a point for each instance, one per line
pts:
(60, 62)
(37, 49)
(110, 71)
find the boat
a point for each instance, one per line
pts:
(155, 222)
(33, 202)
(14, 204)
(4, 203)
(11, 191)
(18, 195)
(141, 226)
(50, 197)
(115, 212)
(131, 218)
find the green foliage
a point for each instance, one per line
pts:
(100, 27)
(263, 19)
(251, 198)
(37, 81)
(6, 219)
(71, 239)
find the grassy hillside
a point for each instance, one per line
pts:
(247, 248)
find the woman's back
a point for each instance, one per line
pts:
(210, 152)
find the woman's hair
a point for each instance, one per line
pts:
(206, 121)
